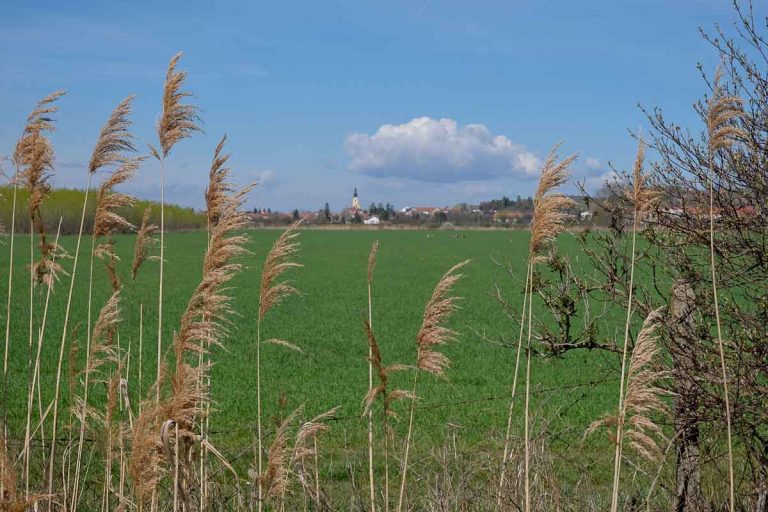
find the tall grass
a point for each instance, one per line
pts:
(723, 113)
(114, 140)
(369, 279)
(548, 222)
(271, 293)
(642, 200)
(433, 333)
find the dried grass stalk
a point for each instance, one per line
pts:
(203, 323)
(432, 333)
(271, 293)
(369, 329)
(724, 112)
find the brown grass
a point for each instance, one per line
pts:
(178, 120)
(643, 398)
(548, 222)
(723, 115)
(433, 333)
(271, 293)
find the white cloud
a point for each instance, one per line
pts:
(593, 164)
(266, 178)
(427, 149)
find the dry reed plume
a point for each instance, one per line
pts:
(432, 333)
(643, 199)
(114, 140)
(271, 293)
(178, 120)
(643, 397)
(33, 158)
(548, 222)
(203, 323)
(549, 215)
(218, 186)
(284, 458)
(723, 114)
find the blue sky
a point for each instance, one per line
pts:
(416, 102)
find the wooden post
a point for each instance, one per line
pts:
(688, 491)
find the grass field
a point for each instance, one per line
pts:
(327, 323)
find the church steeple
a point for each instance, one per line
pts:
(355, 201)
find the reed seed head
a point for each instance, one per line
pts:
(178, 120)
(433, 331)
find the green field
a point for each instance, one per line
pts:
(327, 322)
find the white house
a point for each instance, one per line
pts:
(372, 220)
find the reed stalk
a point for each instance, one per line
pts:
(271, 293)
(723, 113)
(642, 199)
(548, 222)
(432, 333)
(508, 435)
(371, 267)
(114, 140)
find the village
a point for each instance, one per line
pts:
(500, 213)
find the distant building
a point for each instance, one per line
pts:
(355, 201)
(413, 211)
(372, 220)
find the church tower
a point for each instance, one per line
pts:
(355, 201)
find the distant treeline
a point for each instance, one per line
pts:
(67, 204)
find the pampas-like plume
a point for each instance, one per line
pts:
(145, 464)
(309, 430)
(178, 120)
(723, 114)
(432, 333)
(302, 450)
(103, 349)
(204, 320)
(218, 186)
(277, 477)
(108, 220)
(271, 293)
(548, 215)
(643, 200)
(144, 239)
(641, 195)
(33, 158)
(278, 261)
(114, 138)
(643, 396)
